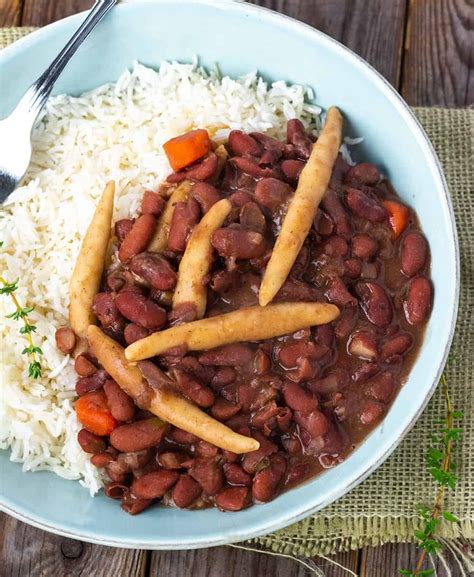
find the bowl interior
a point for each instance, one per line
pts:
(242, 38)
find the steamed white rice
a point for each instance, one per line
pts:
(114, 132)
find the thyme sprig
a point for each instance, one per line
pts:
(26, 330)
(442, 468)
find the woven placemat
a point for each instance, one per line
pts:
(383, 508)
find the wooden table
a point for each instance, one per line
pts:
(425, 48)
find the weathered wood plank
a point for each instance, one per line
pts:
(29, 552)
(372, 28)
(438, 68)
(42, 12)
(234, 562)
(10, 12)
(389, 559)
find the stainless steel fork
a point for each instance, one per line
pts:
(15, 130)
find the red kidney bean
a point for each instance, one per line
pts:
(370, 270)
(100, 460)
(223, 409)
(335, 380)
(251, 460)
(261, 362)
(336, 292)
(265, 417)
(155, 484)
(272, 193)
(208, 473)
(315, 422)
(381, 387)
(363, 344)
(335, 209)
(191, 388)
(192, 365)
(418, 300)
(152, 203)
(227, 355)
(292, 169)
(346, 323)
(242, 144)
(251, 217)
(352, 268)
(140, 310)
(305, 370)
(138, 436)
(370, 412)
(239, 243)
(240, 197)
(363, 173)
(223, 376)
(122, 228)
(268, 142)
(233, 499)
(396, 345)
(297, 136)
(205, 449)
(290, 353)
(185, 217)
(414, 253)
(283, 419)
(225, 280)
(138, 238)
(155, 270)
(65, 340)
(204, 170)
(183, 437)
(172, 459)
(92, 383)
(134, 461)
(186, 491)
(336, 246)
(90, 443)
(115, 490)
(364, 372)
(267, 481)
(235, 475)
(134, 332)
(296, 473)
(106, 311)
(323, 223)
(84, 367)
(183, 313)
(132, 505)
(365, 206)
(205, 194)
(251, 168)
(298, 398)
(116, 473)
(363, 246)
(324, 335)
(120, 404)
(296, 290)
(229, 457)
(375, 303)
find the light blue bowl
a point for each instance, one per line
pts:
(241, 38)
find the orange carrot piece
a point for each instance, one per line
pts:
(397, 216)
(187, 148)
(93, 413)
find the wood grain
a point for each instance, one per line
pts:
(372, 28)
(389, 559)
(10, 12)
(29, 552)
(41, 12)
(438, 67)
(233, 562)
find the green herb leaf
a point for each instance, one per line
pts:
(31, 350)
(27, 329)
(407, 573)
(20, 313)
(426, 573)
(9, 288)
(34, 370)
(450, 517)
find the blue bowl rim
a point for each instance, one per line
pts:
(22, 514)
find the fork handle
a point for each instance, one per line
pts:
(38, 93)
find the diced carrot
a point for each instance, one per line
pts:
(187, 148)
(397, 216)
(92, 411)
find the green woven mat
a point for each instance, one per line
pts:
(383, 508)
